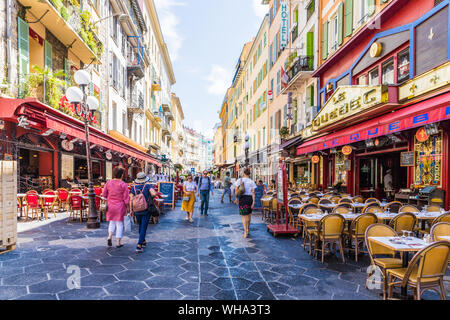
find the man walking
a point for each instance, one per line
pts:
(227, 186)
(204, 187)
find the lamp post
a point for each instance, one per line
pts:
(77, 96)
(247, 147)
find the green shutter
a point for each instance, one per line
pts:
(384, 1)
(340, 21)
(48, 62)
(24, 55)
(91, 89)
(372, 7)
(312, 96)
(325, 40)
(348, 18)
(310, 48)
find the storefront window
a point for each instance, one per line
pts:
(428, 161)
(302, 173)
(373, 77)
(403, 66)
(388, 72)
(340, 175)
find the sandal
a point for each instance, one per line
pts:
(144, 244)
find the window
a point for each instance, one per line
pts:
(114, 116)
(124, 122)
(363, 11)
(388, 72)
(334, 33)
(310, 10)
(403, 66)
(285, 116)
(373, 77)
(362, 80)
(278, 82)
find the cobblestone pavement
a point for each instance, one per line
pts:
(208, 259)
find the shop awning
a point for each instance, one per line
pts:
(49, 118)
(291, 142)
(422, 113)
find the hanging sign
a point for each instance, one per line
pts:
(421, 135)
(284, 28)
(108, 155)
(347, 150)
(315, 159)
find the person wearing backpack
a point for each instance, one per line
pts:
(205, 187)
(117, 199)
(245, 192)
(142, 206)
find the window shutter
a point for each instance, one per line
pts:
(312, 96)
(340, 20)
(348, 18)
(24, 55)
(325, 40)
(371, 7)
(67, 74)
(310, 48)
(91, 88)
(48, 63)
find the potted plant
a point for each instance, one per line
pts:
(284, 132)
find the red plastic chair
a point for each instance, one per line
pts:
(33, 204)
(76, 205)
(49, 203)
(63, 198)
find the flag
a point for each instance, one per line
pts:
(284, 78)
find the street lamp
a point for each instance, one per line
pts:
(77, 96)
(247, 147)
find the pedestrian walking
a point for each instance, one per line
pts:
(142, 207)
(189, 190)
(204, 188)
(117, 201)
(246, 199)
(227, 187)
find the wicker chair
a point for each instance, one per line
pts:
(314, 200)
(408, 208)
(63, 198)
(358, 199)
(345, 200)
(335, 199)
(378, 253)
(440, 229)
(370, 200)
(372, 207)
(265, 208)
(434, 208)
(393, 206)
(346, 205)
(442, 218)
(49, 203)
(358, 229)
(329, 231)
(294, 221)
(403, 221)
(340, 209)
(425, 271)
(324, 201)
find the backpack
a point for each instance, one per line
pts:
(200, 182)
(139, 203)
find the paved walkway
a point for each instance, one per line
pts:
(208, 259)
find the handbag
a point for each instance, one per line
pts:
(241, 190)
(128, 223)
(152, 209)
(186, 198)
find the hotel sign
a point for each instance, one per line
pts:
(284, 28)
(348, 101)
(427, 82)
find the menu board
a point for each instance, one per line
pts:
(168, 189)
(407, 159)
(108, 170)
(259, 193)
(280, 190)
(66, 166)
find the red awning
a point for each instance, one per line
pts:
(425, 112)
(10, 109)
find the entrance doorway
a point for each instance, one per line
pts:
(35, 170)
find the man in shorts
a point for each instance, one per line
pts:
(227, 186)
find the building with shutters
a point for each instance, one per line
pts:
(383, 97)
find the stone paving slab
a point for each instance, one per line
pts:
(207, 260)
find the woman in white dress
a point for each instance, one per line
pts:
(246, 201)
(189, 189)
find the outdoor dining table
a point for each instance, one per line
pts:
(403, 245)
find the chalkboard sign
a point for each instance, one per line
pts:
(168, 189)
(259, 193)
(407, 159)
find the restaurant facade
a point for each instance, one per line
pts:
(382, 127)
(49, 147)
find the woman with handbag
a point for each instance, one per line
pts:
(117, 199)
(189, 190)
(142, 207)
(245, 191)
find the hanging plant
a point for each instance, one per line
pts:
(284, 132)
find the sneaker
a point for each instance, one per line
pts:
(144, 244)
(139, 250)
(109, 242)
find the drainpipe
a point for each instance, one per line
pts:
(8, 38)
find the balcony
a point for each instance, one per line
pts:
(169, 115)
(299, 71)
(156, 84)
(137, 104)
(165, 128)
(65, 23)
(136, 69)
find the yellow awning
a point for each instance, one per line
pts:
(117, 135)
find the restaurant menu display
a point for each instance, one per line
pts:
(280, 194)
(66, 166)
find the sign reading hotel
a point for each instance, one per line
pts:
(348, 101)
(284, 28)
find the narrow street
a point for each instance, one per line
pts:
(208, 259)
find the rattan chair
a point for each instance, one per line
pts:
(346, 205)
(314, 200)
(425, 271)
(357, 231)
(324, 201)
(294, 221)
(440, 229)
(370, 200)
(309, 208)
(265, 208)
(445, 217)
(340, 209)
(358, 199)
(381, 258)
(393, 206)
(335, 199)
(408, 208)
(372, 208)
(434, 208)
(345, 200)
(329, 232)
(403, 221)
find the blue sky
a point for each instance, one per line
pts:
(205, 38)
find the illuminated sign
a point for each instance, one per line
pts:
(421, 135)
(347, 101)
(347, 150)
(284, 28)
(315, 159)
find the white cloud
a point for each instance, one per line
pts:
(218, 80)
(169, 25)
(260, 9)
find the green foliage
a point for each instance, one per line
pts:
(75, 3)
(54, 85)
(57, 4)
(284, 132)
(64, 13)
(87, 34)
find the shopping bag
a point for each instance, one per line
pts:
(128, 223)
